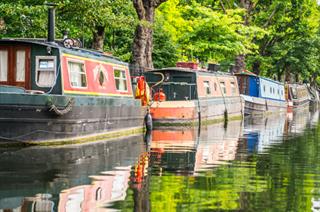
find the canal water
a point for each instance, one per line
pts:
(266, 164)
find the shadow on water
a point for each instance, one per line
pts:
(246, 165)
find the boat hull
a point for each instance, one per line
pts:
(63, 119)
(256, 105)
(195, 112)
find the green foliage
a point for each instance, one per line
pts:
(291, 44)
(278, 37)
(207, 34)
(22, 20)
(164, 51)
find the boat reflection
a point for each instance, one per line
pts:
(174, 149)
(74, 178)
(106, 187)
(218, 144)
(188, 150)
(261, 133)
(299, 120)
(215, 167)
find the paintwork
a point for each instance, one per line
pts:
(94, 88)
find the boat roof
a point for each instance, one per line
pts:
(59, 44)
(246, 72)
(249, 73)
(189, 70)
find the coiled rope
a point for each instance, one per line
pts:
(61, 112)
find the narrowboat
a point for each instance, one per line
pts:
(298, 96)
(56, 91)
(261, 95)
(188, 96)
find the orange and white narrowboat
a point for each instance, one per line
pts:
(185, 96)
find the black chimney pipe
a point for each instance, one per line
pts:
(51, 21)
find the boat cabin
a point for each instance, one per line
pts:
(60, 67)
(256, 86)
(188, 84)
(37, 66)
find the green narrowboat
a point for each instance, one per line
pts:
(53, 91)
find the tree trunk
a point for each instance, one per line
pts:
(143, 39)
(98, 38)
(240, 59)
(149, 44)
(239, 63)
(256, 67)
(139, 47)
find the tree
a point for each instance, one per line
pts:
(203, 32)
(292, 40)
(96, 17)
(143, 39)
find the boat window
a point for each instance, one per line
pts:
(20, 65)
(223, 88)
(77, 74)
(120, 79)
(264, 88)
(45, 70)
(206, 86)
(233, 88)
(3, 65)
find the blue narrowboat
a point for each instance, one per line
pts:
(261, 95)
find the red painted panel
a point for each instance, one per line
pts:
(93, 68)
(174, 113)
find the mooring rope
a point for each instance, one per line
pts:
(61, 112)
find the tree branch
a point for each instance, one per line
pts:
(141, 12)
(270, 17)
(223, 8)
(157, 3)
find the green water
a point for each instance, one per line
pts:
(274, 166)
(258, 164)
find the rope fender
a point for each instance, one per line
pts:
(65, 110)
